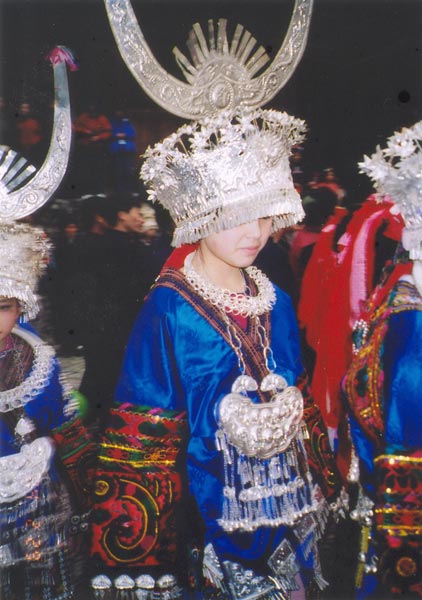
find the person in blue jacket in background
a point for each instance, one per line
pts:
(122, 151)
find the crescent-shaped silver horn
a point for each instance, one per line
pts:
(221, 75)
(27, 199)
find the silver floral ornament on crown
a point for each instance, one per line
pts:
(396, 171)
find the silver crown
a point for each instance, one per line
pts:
(224, 171)
(396, 171)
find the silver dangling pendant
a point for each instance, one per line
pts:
(125, 587)
(101, 587)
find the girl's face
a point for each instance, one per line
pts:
(9, 314)
(237, 247)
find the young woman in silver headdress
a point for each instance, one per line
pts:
(45, 449)
(44, 444)
(213, 398)
(382, 389)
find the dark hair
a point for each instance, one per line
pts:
(120, 202)
(162, 215)
(65, 218)
(319, 206)
(92, 206)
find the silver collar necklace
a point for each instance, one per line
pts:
(38, 377)
(232, 302)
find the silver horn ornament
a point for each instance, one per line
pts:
(220, 75)
(25, 200)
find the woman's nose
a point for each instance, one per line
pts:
(253, 228)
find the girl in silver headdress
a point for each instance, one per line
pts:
(45, 449)
(38, 424)
(382, 388)
(213, 399)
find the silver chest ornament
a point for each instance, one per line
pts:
(264, 429)
(20, 473)
(267, 481)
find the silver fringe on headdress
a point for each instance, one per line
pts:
(24, 252)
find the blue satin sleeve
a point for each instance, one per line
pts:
(47, 409)
(403, 382)
(149, 374)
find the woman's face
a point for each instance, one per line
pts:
(237, 247)
(9, 314)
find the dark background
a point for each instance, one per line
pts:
(359, 79)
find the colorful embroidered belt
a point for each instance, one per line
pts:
(153, 455)
(399, 495)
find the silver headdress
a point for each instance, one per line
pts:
(220, 76)
(224, 171)
(23, 248)
(14, 171)
(232, 164)
(396, 171)
(24, 252)
(24, 201)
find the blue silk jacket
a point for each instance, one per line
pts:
(176, 359)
